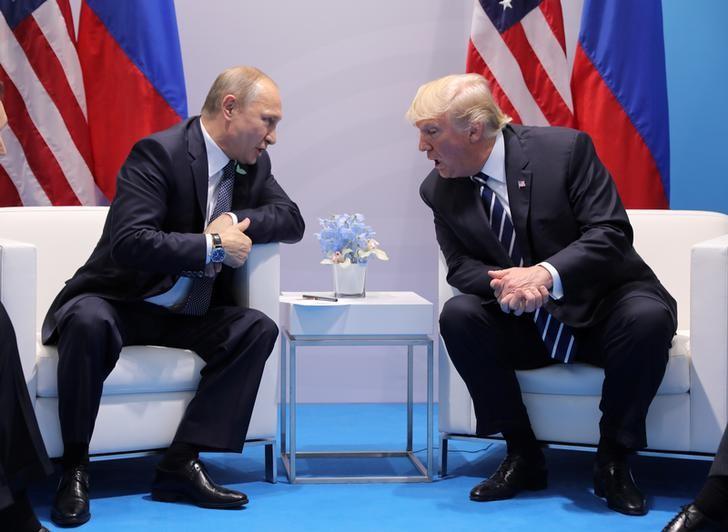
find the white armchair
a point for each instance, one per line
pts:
(688, 250)
(147, 392)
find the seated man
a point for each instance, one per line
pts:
(709, 510)
(189, 203)
(22, 453)
(536, 239)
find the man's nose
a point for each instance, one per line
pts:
(424, 145)
(270, 138)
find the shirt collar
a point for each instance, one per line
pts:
(216, 158)
(495, 165)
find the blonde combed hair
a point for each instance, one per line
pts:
(242, 82)
(466, 98)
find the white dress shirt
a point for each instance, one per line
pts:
(216, 162)
(495, 169)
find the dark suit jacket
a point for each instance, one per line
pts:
(568, 214)
(153, 232)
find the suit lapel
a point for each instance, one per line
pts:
(518, 182)
(198, 163)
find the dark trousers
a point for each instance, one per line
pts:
(22, 453)
(234, 342)
(720, 463)
(487, 346)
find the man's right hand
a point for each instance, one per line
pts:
(236, 243)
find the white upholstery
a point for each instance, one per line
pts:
(688, 251)
(147, 392)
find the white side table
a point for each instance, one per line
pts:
(379, 319)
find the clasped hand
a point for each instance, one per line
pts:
(235, 242)
(520, 290)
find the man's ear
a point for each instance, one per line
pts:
(475, 132)
(228, 104)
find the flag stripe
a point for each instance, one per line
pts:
(39, 156)
(475, 63)
(20, 174)
(629, 161)
(536, 79)
(52, 76)
(554, 16)
(550, 53)
(64, 7)
(504, 67)
(8, 193)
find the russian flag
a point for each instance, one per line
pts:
(619, 90)
(133, 78)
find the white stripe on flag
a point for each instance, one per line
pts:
(506, 70)
(549, 52)
(29, 190)
(44, 114)
(50, 20)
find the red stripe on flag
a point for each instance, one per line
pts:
(618, 143)
(537, 79)
(65, 7)
(122, 96)
(50, 72)
(40, 158)
(476, 64)
(553, 14)
(9, 196)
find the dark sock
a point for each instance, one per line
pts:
(19, 516)
(523, 442)
(179, 454)
(611, 451)
(74, 455)
(713, 498)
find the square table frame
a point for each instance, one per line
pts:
(289, 343)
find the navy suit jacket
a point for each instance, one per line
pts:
(154, 230)
(566, 211)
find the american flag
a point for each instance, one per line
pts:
(520, 48)
(48, 159)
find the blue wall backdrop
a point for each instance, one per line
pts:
(696, 49)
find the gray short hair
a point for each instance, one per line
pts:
(465, 97)
(243, 82)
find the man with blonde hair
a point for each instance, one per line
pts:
(537, 240)
(190, 202)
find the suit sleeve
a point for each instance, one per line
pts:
(276, 218)
(138, 213)
(464, 272)
(606, 235)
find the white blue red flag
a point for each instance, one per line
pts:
(132, 64)
(613, 86)
(49, 159)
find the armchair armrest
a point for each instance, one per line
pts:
(708, 343)
(18, 290)
(258, 282)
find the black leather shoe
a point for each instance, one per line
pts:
(614, 482)
(691, 518)
(71, 505)
(191, 483)
(514, 475)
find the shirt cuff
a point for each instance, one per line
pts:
(233, 216)
(557, 290)
(208, 240)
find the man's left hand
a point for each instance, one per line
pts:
(219, 224)
(520, 290)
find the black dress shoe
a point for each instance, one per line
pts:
(613, 481)
(71, 505)
(691, 518)
(191, 483)
(514, 475)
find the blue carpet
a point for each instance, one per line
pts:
(120, 497)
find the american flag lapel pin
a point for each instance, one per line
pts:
(521, 183)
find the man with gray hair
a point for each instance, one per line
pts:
(537, 240)
(190, 201)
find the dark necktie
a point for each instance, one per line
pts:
(558, 337)
(198, 300)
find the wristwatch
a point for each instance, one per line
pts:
(217, 254)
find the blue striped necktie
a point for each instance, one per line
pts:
(198, 300)
(558, 337)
